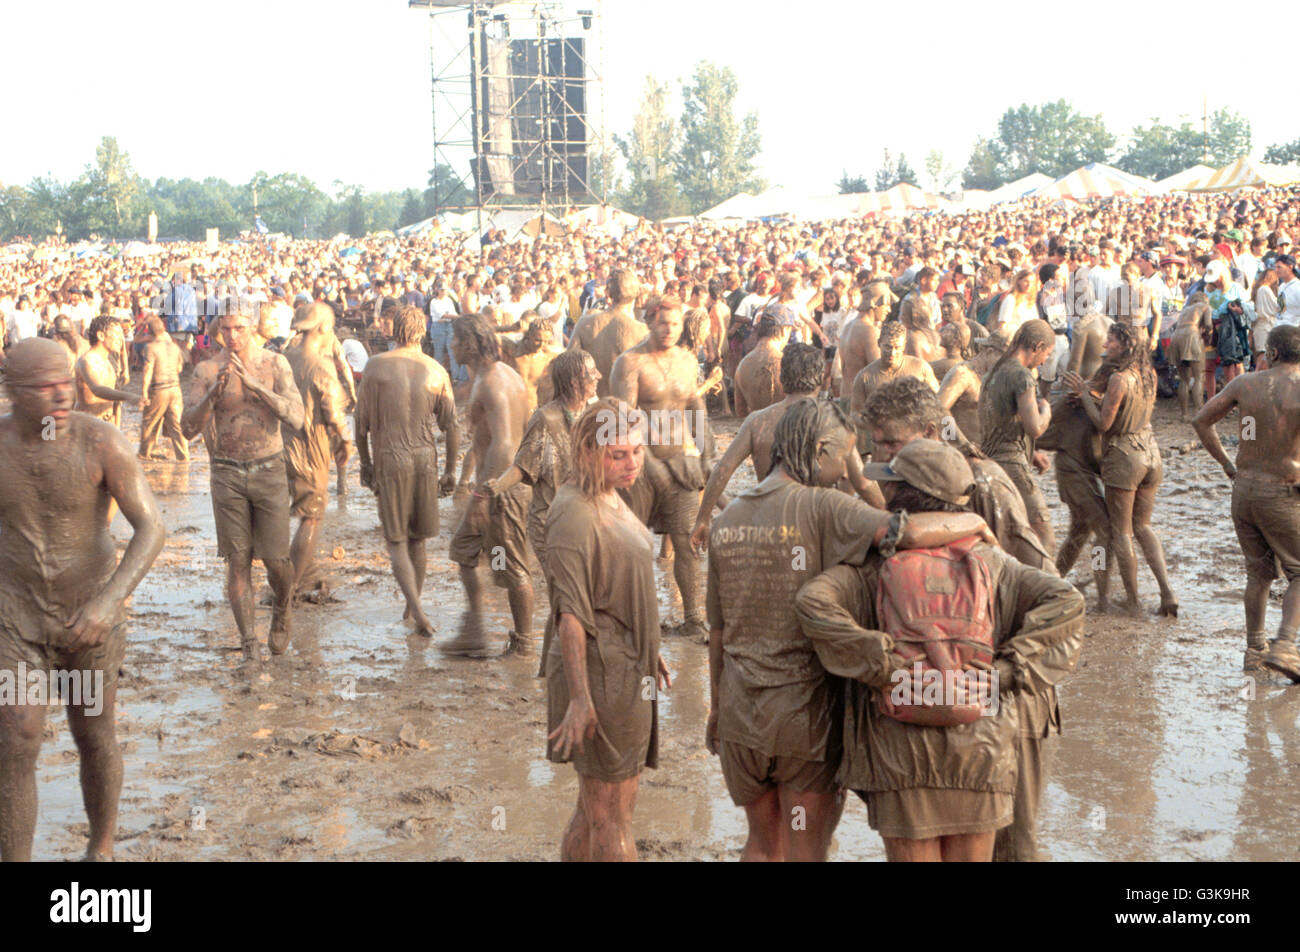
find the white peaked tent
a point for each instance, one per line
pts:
(900, 199)
(1245, 173)
(1018, 189)
(1096, 180)
(1186, 179)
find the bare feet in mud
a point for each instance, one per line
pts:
(278, 640)
(521, 646)
(694, 629)
(1168, 609)
(419, 622)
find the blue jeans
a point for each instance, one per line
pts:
(440, 338)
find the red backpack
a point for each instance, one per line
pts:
(937, 604)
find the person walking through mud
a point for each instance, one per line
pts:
(600, 656)
(1265, 491)
(403, 394)
(1130, 466)
(495, 526)
(160, 382)
(97, 375)
(247, 394)
(774, 714)
(62, 588)
(619, 329)
(309, 448)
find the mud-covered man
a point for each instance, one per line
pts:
(97, 373)
(1265, 491)
(62, 588)
(247, 394)
(403, 394)
(161, 406)
(493, 526)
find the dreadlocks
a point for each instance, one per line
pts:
(806, 422)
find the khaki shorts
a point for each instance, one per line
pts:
(921, 813)
(105, 657)
(311, 492)
(1132, 462)
(250, 504)
(750, 774)
(668, 499)
(408, 497)
(1035, 501)
(503, 537)
(1266, 516)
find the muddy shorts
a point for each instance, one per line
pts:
(1082, 492)
(1132, 462)
(407, 491)
(502, 537)
(250, 502)
(921, 813)
(667, 498)
(1035, 501)
(1266, 516)
(311, 491)
(750, 773)
(106, 657)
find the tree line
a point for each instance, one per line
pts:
(1054, 138)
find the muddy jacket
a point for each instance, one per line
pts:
(1039, 635)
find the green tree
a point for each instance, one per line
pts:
(1283, 153)
(112, 188)
(1229, 137)
(603, 179)
(291, 203)
(983, 168)
(445, 189)
(852, 186)
(941, 174)
(1160, 150)
(716, 158)
(648, 151)
(1052, 138)
(412, 209)
(887, 174)
(904, 172)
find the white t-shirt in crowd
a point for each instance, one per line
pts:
(281, 320)
(23, 324)
(442, 308)
(1288, 299)
(354, 352)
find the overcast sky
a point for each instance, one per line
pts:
(340, 89)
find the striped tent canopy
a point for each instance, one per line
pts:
(1096, 180)
(1186, 179)
(1245, 173)
(901, 198)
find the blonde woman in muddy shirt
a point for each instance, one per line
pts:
(62, 587)
(1130, 466)
(774, 717)
(600, 654)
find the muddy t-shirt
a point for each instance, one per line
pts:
(1005, 439)
(775, 695)
(544, 454)
(308, 449)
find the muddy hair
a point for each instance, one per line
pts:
(806, 422)
(97, 327)
(479, 336)
(803, 368)
(408, 325)
(907, 497)
(906, 400)
(1031, 335)
(694, 330)
(765, 328)
(568, 371)
(662, 302)
(622, 286)
(1283, 345)
(1134, 356)
(591, 441)
(536, 335)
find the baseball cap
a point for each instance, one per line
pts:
(783, 315)
(1288, 260)
(934, 468)
(1216, 270)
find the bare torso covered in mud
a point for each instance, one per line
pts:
(244, 426)
(662, 384)
(95, 367)
(859, 345)
(621, 333)
(1089, 345)
(1270, 402)
(758, 378)
(56, 552)
(163, 362)
(499, 396)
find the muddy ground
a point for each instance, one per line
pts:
(364, 742)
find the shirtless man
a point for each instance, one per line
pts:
(531, 359)
(661, 378)
(97, 374)
(1088, 344)
(801, 377)
(893, 363)
(1265, 491)
(402, 393)
(161, 406)
(620, 330)
(860, 338)
(74, 345)
(493, 525)
(959, 393)
(952, 310)
(758, 377)
(247, 394)
(308, 449)
(1013, 416)
(1186, 351)
(919, 314)
(62, 588)
(955, 341)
